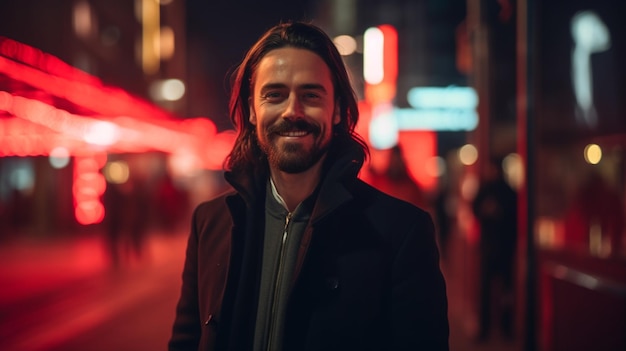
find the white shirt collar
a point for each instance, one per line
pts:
(277, 195)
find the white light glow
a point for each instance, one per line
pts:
(183, 164)
(59, 157)
(383, 127)
(167, 90)
(591, 36)
(373, 51)
(346, 45)
(102, 133)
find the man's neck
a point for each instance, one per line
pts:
(295, 188)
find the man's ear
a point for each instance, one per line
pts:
(252, 118)
(336, 115)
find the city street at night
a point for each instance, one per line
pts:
(502, 119)
(65, 296)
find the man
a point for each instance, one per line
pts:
(303, 255)
(495, 208)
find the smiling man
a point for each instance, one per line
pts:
(293, 108)
(303, 255)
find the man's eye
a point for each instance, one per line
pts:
(272, 95)
(311, 96)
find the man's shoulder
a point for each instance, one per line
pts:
(394, 220)
(214, 206)
(381, 202)
(213, 216)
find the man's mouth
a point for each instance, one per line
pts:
(293, 129)
(296, 133)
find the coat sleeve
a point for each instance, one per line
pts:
(419, 301)
(186, 330)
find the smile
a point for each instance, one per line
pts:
(300, 133)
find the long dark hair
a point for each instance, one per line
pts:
(246, 153)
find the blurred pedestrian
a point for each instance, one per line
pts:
(140, 202)
(115, 200)
(171, 204)
(126, 220)
(304, 255)
(444, 218)
(396, 181)
(495, 208)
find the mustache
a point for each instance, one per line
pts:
(299, 125)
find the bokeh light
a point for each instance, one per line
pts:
(593, 154)
(59, 157)
(116, 172)
(468, 154)
(346, 45)
(513, 167)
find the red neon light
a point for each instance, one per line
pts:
(47, 73)
(89, 185)
(41, 127)
(419, 147)
(35, 127)
(48, 63)
(89, 212)
(390, 54)
(147, 127)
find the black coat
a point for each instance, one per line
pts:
(367, 275)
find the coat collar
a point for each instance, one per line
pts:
(341, 167)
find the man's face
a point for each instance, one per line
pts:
(293, 108)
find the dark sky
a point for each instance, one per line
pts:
(241, 17)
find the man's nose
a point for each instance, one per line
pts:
(293, 107)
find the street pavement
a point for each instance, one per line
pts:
(460, 268)
(64, 295)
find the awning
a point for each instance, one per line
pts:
(46, 103)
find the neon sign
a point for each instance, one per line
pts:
(591, 36)
(433, 108)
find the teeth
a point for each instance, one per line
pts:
(294, 134)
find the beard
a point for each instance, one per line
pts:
(293, 157)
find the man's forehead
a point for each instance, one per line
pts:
(292, 65)
(292, 58)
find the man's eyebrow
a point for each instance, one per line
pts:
(270, 86)
(313, 86)
(307, 86)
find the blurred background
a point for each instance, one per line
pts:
(114, 126)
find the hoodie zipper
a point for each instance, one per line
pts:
(279, 277)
